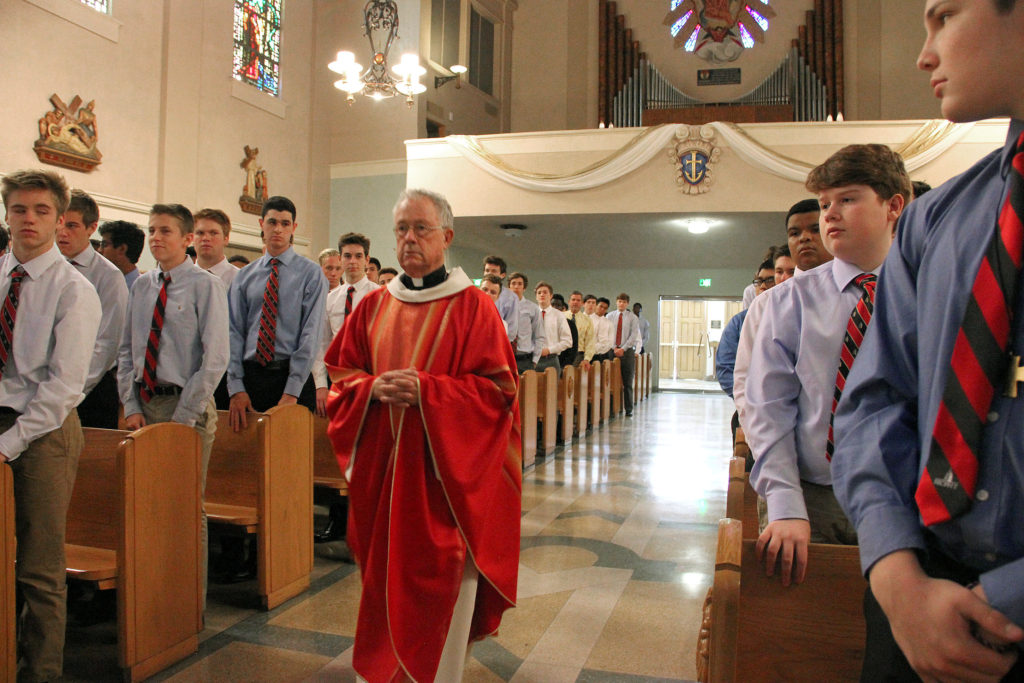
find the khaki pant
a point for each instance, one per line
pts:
(828, 521)
(160, 409)
(44, 477)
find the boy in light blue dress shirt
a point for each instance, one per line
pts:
(192, 350)
(800, 344)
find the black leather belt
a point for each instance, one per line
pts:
(167, 390)
(272, 365)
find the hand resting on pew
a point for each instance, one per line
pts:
(135, 421)
(785, 540)
(931, 621)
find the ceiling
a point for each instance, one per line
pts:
(617, 241)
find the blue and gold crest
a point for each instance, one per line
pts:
(695, 155)
(694, 164)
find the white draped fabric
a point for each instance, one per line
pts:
(930, 141)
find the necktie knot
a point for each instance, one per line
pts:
(165, 277)
(17, 274)
(274, 262)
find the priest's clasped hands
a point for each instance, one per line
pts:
(400, 388)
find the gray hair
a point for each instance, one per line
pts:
(444, 209)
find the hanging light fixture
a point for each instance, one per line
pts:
(380, 25)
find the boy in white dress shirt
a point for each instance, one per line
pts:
(49, 317)
(810, 329)
(100, 406)
(191, 350)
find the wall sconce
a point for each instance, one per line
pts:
(457, 71)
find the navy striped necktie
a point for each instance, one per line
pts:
(855, 328)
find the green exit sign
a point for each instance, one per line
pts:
(704, 282)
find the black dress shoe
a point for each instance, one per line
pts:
(334, 531)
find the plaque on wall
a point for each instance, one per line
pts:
(68, 135)
(718, 77)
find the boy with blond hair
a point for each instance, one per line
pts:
(805, 345)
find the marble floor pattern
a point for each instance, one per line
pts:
(618, 544)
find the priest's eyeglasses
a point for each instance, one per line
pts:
(418, 230)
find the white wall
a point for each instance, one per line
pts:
(170, 128)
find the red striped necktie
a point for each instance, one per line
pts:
(348, 300)
(7, 315)
(855, 328)
(153, 343)
(267, 335)
(977, 367)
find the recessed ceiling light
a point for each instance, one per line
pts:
(697, 226)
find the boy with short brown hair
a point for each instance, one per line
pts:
(805, 344)
(49, 317)
(175, 346)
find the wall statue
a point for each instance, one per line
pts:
(254, 193)
(68, 135)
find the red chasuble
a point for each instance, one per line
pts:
(430, 486)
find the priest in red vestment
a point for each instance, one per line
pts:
(425, 423)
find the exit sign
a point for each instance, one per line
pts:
(704, 282)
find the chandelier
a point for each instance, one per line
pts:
(380, 24)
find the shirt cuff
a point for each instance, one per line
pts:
(884, 530)
(294, 386)
(786, 504)
(1004, 588)
(10, 445)
(235, 386)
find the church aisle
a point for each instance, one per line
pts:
(618, 543)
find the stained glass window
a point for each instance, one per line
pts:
(98, 5)
(258, 44)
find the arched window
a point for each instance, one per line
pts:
(98, 5)
(258, 44)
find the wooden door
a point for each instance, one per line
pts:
(684, 339)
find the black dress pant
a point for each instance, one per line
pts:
(100, 406)
(883, 659)
(265, 385)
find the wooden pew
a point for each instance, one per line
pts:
(547, 412)
(594, 397)
(134, 524)
(606, 390)
(581, 400)
(638, 364)
(741, 499)
(566, 403)
(649, 373)
(762, 631)
(616, 387)
(326, 471)
(528, 416)
(260, 481)
(8, 649)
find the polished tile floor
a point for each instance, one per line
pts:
(618, 543)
